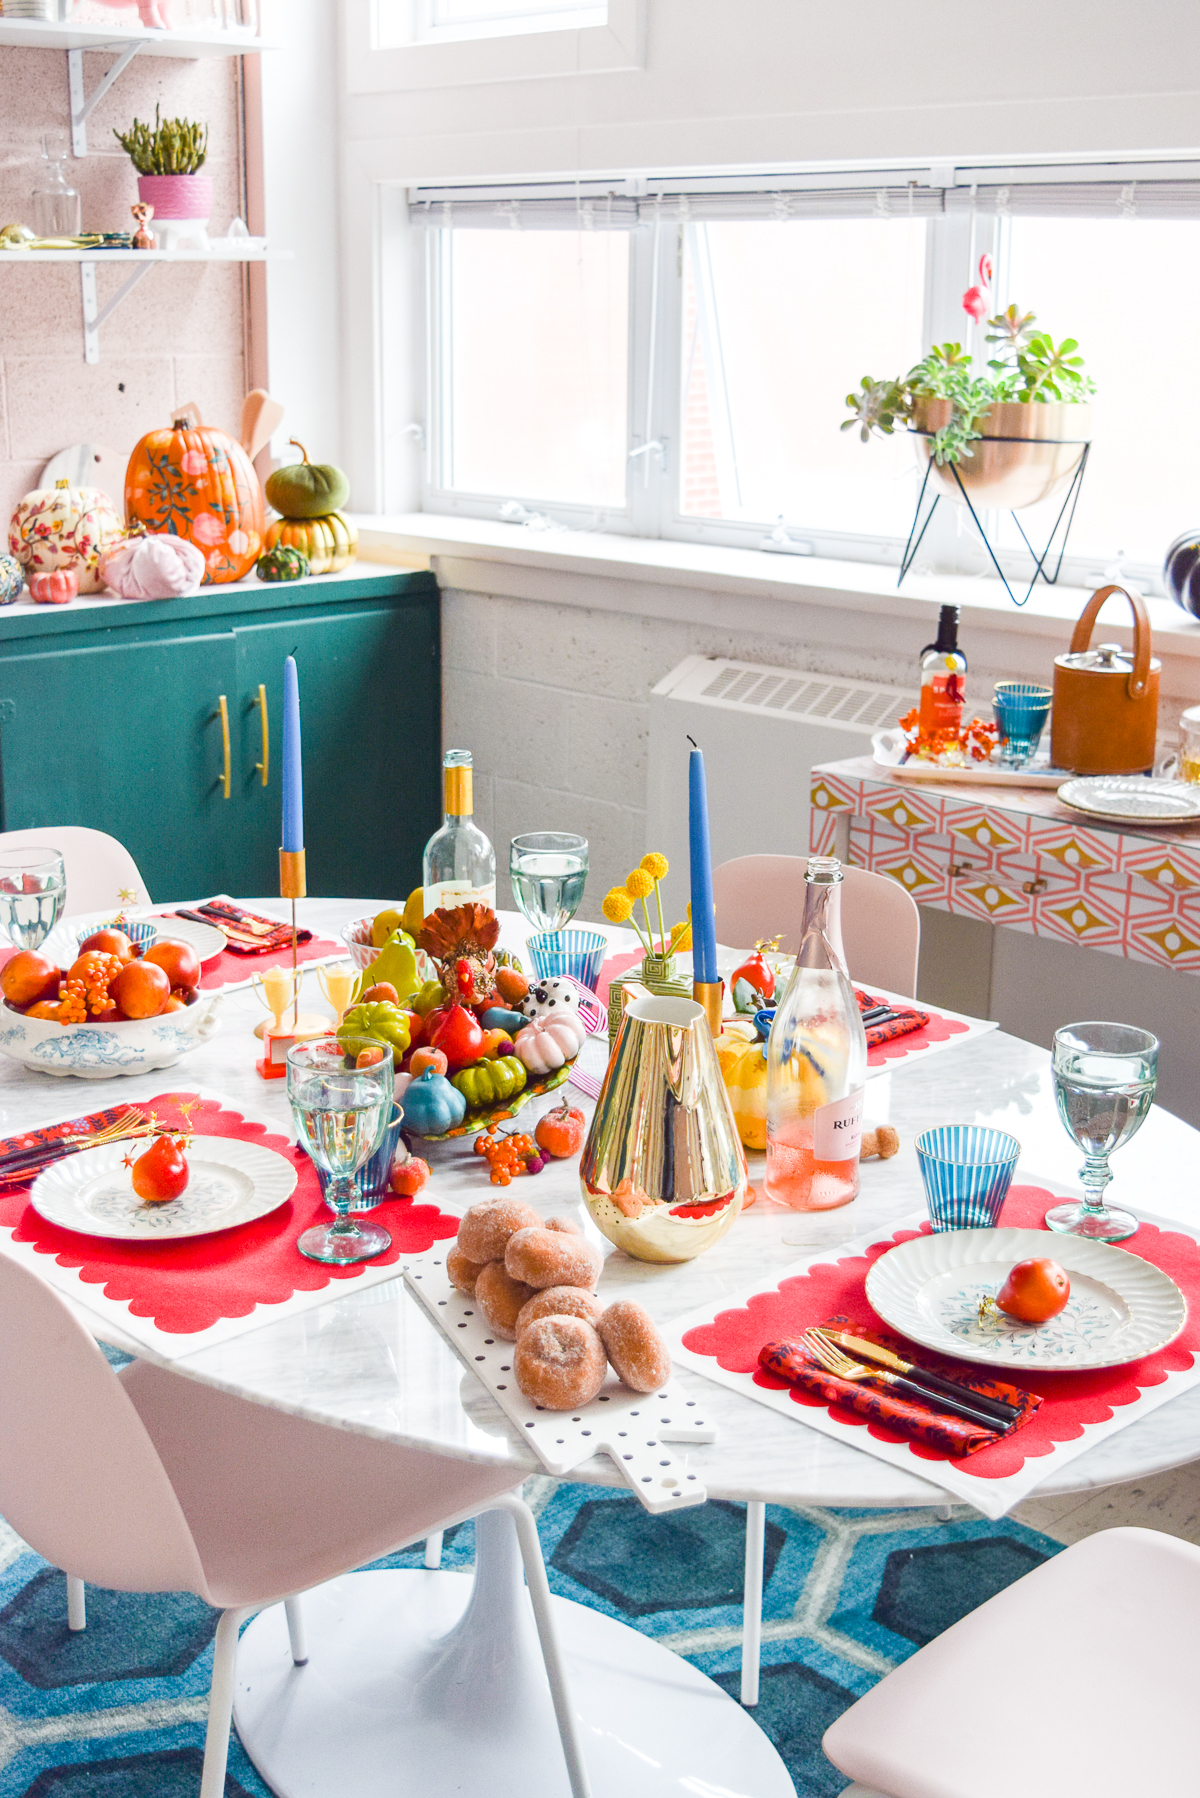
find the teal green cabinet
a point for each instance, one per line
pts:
(114, 716)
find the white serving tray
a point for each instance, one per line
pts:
(632, 1427)
(888, 747)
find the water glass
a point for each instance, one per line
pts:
(33, 891)
(342, 1112)
(967, 1170)
(548, 869)
(1021, 708)
(1104, 1081)
(579, 953)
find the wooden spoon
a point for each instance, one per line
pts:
(261, 418)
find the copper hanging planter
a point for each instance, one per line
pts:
(1027, 452)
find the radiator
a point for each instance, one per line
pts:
(762, 731)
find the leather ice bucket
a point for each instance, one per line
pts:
(1105, 716)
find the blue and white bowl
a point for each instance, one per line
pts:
(967, 1170)
(100, 1051)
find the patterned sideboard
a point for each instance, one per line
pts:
(1016, 857)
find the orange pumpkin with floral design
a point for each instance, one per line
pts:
(197, 482)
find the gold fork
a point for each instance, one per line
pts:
(835, 1362)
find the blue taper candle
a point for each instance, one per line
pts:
(704, 925)
(293, 779)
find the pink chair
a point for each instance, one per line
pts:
(1079, 1678)
(99, 869)
(761, 896)
(144, 1481)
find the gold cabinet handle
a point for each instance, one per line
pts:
(1034, 887)
(957, 869)
(225, 781)
(263, 767)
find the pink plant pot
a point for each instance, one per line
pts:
(177, 196)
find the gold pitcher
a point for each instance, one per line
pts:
(663, 1171)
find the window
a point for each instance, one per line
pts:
(407, 21)
(675, 362)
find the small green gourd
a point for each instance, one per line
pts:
(282, 563)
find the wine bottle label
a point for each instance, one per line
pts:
(458, 892)
(837, 1128)
(942, 698)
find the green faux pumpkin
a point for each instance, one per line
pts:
(307, 489)
(282, 564)
(12, 579)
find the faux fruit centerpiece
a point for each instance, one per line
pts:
(476, 1043)
(118, 1009)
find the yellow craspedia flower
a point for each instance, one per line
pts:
(657, 866)
(681, 936)
(639, 884)
(617, 906)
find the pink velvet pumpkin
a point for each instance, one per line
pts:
(157, 567)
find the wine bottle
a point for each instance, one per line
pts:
(943, 677)
(816, 1062)
(459, 865)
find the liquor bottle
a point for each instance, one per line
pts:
(816, 1062)
(459, 865)
(943, 677)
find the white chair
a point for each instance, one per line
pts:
(761, 896)
(144, 1481)
(101, 873)
(1078, 1679)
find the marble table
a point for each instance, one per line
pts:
(372, 1362)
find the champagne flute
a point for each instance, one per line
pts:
(341, 1111)
(548, 869)
(33, 891)
(1104, 1080)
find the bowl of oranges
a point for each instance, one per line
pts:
(122, 1007)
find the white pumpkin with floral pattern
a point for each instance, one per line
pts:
(65, 527)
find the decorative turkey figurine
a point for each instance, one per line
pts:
(461, 943)
(64, 527)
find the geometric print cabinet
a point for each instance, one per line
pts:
(1016, 857)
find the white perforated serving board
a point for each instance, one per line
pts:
(632, 1427)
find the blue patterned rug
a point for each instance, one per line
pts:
(118, 1711)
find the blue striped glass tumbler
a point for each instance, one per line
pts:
(967, 1170)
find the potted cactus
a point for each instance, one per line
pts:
(1013, 434)
(168, 157)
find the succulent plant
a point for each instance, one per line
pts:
(168, 147)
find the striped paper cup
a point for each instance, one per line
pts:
(579, 953)
(142, 934)
(967, 1171)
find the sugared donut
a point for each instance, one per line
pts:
(559, 1362)
(635, 1348)
(544, 1257)
(559, 1301)
(485, 1229)
(500, 1298)
(566, 1224)
(463, 1271)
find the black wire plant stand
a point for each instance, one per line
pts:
(1041, 562)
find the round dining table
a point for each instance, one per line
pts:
(371, 1361)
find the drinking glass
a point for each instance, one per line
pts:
(548, 870)
(33, 891)
(1021, 709)
(341, 1112)
(1104, 1080)
(967, 1170)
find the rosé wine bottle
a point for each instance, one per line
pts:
(816, 1062)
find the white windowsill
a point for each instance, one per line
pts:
(664, 577)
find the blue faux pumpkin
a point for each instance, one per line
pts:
(12, 579)
(431, 1105)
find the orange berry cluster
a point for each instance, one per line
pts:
(72, 1007)
(508, 1157)
(96, 971)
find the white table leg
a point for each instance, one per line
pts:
(414, 1673)
(76, 1603)
(433, 1550)
(756, 1532)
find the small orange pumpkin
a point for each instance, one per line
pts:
(197, 482)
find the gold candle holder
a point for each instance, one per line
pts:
(291, 874)
(708, 993)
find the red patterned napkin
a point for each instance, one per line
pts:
(188, 1286)
(904, 1023)
(791, 1364)
(248, 932)
(1070, 1400)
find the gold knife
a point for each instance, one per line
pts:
(883, 1357)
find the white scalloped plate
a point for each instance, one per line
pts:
(232, 1182)
(1121, 1307)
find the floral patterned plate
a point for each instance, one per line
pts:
(1120, 1307)
(231, 1183)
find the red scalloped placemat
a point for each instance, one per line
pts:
(188, 1286)
(1071, 1400)
(228, 969)
(938, 1030)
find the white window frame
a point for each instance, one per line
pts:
(452, 57)
(955, 241)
